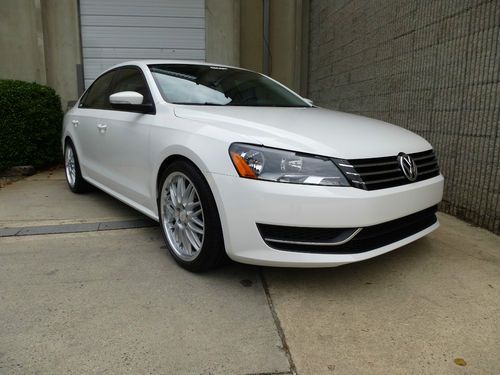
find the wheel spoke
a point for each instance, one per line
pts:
(173, 195)
(186, 197)
(197, 222)
(191, 215)
(194, 228)
(192, 205)
(193, 238)
(185, 242)
(170, 208)
(176, 233)
(182, 216)
(180, 189)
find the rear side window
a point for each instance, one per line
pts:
(97, 96)
(131, 79)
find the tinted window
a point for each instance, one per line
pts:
(216, 85)
(131, 79)
(97, 95)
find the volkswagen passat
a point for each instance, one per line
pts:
(232, 163)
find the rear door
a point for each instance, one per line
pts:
(126, 159)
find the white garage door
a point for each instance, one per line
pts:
(114, 31)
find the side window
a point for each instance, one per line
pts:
(97, 96)
(131, 79)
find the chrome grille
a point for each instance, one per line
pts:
(381, 173)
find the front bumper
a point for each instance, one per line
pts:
(243, 203)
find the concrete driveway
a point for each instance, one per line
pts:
(80, 295)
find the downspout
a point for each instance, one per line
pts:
(80, 77)
(265, 45)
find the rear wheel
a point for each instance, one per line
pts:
(189, 218)
(72, 170)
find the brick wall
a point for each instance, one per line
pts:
(431, 66)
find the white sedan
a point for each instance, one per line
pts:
(234, 164)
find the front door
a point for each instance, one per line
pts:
(90, 141)
(126, 159)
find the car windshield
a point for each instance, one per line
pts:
(221, 86)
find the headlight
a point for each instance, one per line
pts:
(270, 164)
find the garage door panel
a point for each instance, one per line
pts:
(150, 53)
(151, 37)
(114, 31)
(141, 21)
(176, 8)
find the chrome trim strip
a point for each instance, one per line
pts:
(429, 171)
(374, 164)
(346, 165)
(316, 243)
(379, 172)
(427, 164)
(423, 157)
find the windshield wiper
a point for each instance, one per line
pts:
(191, 103)
(269, 105)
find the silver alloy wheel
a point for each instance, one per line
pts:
(182, 216)
(69, 164)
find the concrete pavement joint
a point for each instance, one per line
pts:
(279, 328)
(76, 228)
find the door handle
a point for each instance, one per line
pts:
(102, 127)
(75, 123)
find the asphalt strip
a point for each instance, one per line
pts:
(77, 228)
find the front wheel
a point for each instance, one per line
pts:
(189, 218)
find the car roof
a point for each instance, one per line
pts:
(145, 63)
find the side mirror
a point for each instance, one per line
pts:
(309, 101)
(130, 101)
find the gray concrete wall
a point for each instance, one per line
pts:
(62, 47)
(288, 40)
(282, 39)
(223, 31)
(21, 41)
(251, 35)
(39, 42)
(430, 66)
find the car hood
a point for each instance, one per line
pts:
(310, 130)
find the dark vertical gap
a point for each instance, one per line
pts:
(80, 68)
(265, 33)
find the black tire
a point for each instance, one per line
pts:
(212, 253)
(79, 185)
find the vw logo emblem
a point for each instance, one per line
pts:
(408, 166)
